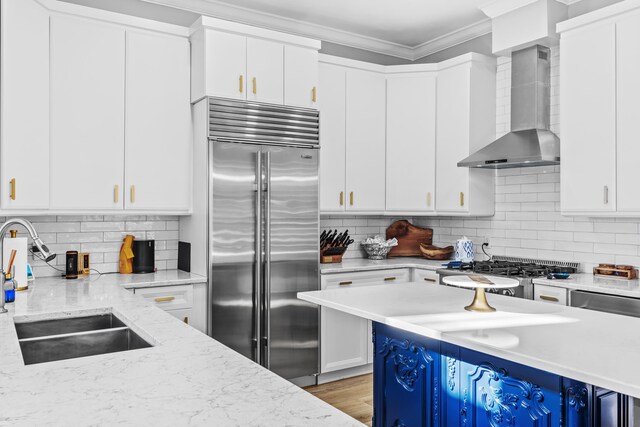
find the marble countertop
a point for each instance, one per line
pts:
(129, 281)
(187, 378)
(363, 264)
(589, 282)
(589, 346)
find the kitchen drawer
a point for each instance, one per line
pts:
(185, 315)
(365, 278)
(425, 276)
(550, 294)
(169, 297)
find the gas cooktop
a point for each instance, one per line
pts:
(498, 267)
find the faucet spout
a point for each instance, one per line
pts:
(44, 250)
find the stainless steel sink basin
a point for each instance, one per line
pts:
(67, 325)
(70, 338)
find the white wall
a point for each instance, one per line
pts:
(102, 236)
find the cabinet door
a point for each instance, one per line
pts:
(158, 125)
(411, 143)
(24, 156)
(87, 114)
(300, 76)
(344, 340)
(226, 65)
(365, 176)
(453, 106)
(628, 93)
(265, 71)
(332, 138)
(588, 111)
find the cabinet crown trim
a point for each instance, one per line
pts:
(607, 12)
(209, 23)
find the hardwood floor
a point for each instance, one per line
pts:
(353, 396)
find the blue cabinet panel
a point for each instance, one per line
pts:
(499, 393)
(407, 380)
(420, 381)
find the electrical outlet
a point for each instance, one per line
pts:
(486, 241)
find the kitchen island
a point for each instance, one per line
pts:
(185, 378)
(527, 364)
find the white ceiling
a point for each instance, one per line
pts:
(405, 22)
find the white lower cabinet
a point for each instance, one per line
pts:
(345, 340)
(184, 302)
(550, 294)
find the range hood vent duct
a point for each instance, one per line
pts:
(530, 142)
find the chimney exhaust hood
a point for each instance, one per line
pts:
(530, 142)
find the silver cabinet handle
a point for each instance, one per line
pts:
(428, 279)
(606, 194)
(548, 298)
(345, 283)
(389, 279)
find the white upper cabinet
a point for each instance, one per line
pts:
(628, 111)
(365, 141)
(332, 138)
(221, 69)
(465, 123)
(600, 111)
(588, 111)
(24, 149)
(87, 114)
(411, 143)
(265, 71)
(231, 60)
(300, 76)
(158, 123)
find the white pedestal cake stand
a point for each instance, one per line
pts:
(480, 283)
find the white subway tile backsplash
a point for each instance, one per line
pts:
(102, 226)
(102, 236)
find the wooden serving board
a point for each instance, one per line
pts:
(409, 238)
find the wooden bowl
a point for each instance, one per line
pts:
(434, 252)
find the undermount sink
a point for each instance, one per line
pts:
(68, 325)
(70, 338)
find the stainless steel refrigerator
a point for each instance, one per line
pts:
(263, 233)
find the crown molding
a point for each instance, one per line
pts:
(247, 16)
(454, 38)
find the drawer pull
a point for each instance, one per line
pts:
(548, 298)
(164, 299)
(186, 320)
(388, 279)
(428, 279)
(345, 283)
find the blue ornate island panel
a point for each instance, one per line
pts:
(420, 381)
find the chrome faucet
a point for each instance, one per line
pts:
(44, 250)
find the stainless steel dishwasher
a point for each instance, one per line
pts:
(617, 305)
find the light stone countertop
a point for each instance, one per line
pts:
(589, 282)
(187, 378)
(363, 264)
(590, 346)
(130, 281)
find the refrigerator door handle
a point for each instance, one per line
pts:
(267, 263)
(257, 287)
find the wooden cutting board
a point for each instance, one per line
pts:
(409, 238)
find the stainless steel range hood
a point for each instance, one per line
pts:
(530, 142)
